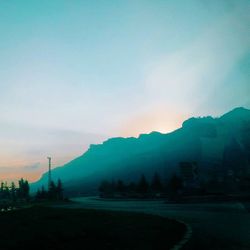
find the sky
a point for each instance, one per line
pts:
(74, 73)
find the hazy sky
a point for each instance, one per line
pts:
(77, 72)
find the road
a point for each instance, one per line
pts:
(217, 226)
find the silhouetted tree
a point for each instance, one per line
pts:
(120, 187)
(175, 183)
(38, 194)
(26, 188)
(6, 191)
(175, 187)
(156, 185)
(132, 187)
(143, 186)
(107, 188)
(13, 191)
(2, 190)
(59, 190)
(44, 194)
(23, 190)
(52, 193)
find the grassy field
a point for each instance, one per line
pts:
(57, 228)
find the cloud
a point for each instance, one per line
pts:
(188, 77)
(162, 120)
(196, 79)
(30, 172)
(33, 167)
(24, 149)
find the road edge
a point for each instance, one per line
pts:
(186, 237)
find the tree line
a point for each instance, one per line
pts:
(142, 188)
(21, 192)
(54, 192)
(15, 193)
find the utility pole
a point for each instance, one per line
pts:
(49, 177)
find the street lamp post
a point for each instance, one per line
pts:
(49, 177)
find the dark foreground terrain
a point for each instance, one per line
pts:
(215, 226)
(58, 228)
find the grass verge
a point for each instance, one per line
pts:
(59, 228)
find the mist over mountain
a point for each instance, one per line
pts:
(220, 144)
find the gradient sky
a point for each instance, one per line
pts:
(77, 72)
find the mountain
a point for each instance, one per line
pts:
(214, 143)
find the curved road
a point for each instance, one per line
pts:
(217, 226)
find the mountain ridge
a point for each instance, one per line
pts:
(128, 157)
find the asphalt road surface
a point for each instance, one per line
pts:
(215, 226)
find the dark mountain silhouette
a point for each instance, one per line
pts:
(219, 144)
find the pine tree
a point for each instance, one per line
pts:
(20, 189)
(143, 186)
(13, 191)
(6, 191)
(120, 187)
(175, 183)
(156, 185)
(59, 190)
(26, 189)
(107, 188)
(38, 194)
(23, 190)
(44, 194)
(52, 191)
(2, 187)
(132, 187)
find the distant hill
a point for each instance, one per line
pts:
(222, 143)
